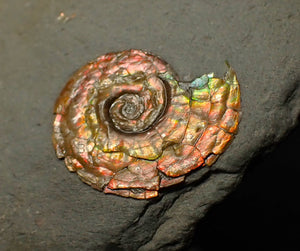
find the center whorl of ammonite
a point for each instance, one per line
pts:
(139, 106)
(131, 106)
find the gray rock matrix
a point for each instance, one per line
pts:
(42, 205)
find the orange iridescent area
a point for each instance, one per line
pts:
(127, 126)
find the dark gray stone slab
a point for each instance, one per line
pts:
(263, 212)
(42, 205)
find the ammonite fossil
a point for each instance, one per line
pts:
(127, 126)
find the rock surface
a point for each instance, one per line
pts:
(263, 212)
(42, 205)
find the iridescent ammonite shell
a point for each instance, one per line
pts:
(127, 126)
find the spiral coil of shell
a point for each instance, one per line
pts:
(127, 126)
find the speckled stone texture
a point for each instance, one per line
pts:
(42, 205)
